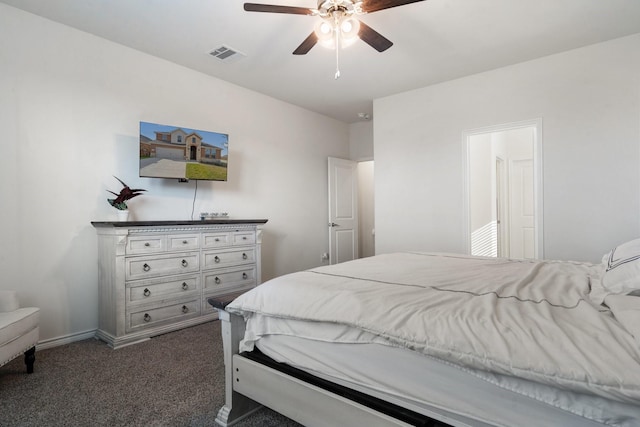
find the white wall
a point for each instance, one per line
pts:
(366, 223)
(481, 166)
(361, 151)
(361, 141)
(589, 103)
(69, 113)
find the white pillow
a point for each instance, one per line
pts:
(622, 268)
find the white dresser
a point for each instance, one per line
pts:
(156, 276)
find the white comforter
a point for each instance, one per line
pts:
(531, 319)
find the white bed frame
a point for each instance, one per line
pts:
(249, 385)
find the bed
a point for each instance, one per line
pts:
(440, 339)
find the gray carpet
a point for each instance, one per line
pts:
(176, 379)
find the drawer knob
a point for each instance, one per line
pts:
(147, 244)
(146, 267)
(185, 286)
(244, 275)
(184, 263)
(216, 259)
(184, 242)
(244, 237)
(217, 280)
(217, 239)
(244, 256)
(147, 318)
(146, 292)
(185, 309)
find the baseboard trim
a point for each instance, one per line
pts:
(67, 339)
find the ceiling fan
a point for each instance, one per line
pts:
(338, 27)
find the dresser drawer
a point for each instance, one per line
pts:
(229, 278)
(140, 245)
(183, 242)
(243, 238)
(161, 265)
(216, 240)
(227, 258)
(144, 291)
(142, 318)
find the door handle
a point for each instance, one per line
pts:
(333, 224)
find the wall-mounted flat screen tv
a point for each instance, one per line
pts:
(182, 153)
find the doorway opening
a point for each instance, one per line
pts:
(351, 204)
(503, 195)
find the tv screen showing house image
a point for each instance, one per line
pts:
(182, 153)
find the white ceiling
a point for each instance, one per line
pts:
(434, 41)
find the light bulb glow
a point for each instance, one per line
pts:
(349, 29)
(343, 29)
(325, 28)
(325, 32)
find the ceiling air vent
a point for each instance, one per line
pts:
(227, 54)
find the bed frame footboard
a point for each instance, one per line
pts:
(248, 382)
(237, 406)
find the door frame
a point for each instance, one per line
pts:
(502, 217)
(537, 178)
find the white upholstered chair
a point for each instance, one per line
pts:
(19, 330)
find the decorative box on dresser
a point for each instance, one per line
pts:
(156, 276)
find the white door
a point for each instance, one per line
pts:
(522, 230)
(343, 210)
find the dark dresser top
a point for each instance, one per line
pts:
(175, 222)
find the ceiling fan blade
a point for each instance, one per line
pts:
(373, 38)
(306, 45)
(272, 8)
(369, 6)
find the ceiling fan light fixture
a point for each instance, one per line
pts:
(326, 7)
(345, 29)
(337, 27)
(349, 29)
(325, 33)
